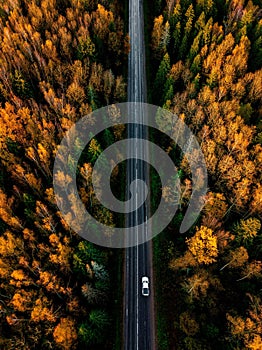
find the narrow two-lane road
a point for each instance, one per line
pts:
(139, 331)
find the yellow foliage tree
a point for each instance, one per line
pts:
(42, 311)
(247, 229)
(197, 285)
(65, 334)
(237, 258)
(21, 300)
(203, 246)
(188, 324)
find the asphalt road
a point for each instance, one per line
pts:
(139, 329)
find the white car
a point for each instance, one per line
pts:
(145, 286)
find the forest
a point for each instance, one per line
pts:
(55, 288)
(204, 63)
(207, 55)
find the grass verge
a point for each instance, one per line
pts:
(160, 305)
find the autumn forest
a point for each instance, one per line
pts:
(207, 57)
(61, 60)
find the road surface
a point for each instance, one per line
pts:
(139, 330)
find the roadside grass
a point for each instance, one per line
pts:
(118, 267)
(117, 311)
(161, 320)
(147, 37)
